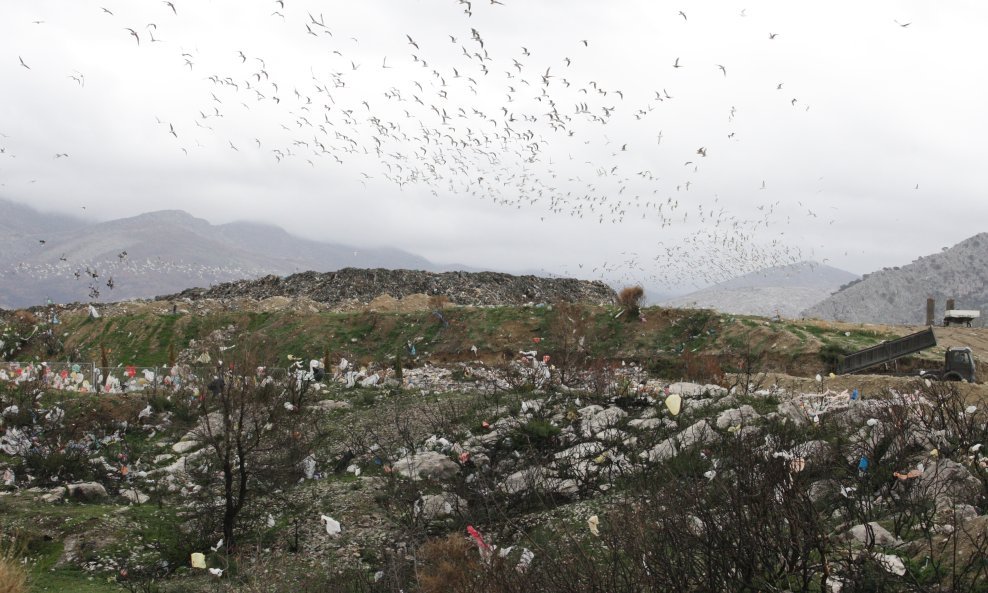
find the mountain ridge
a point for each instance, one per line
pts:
(65, 259)
(779, 290)
(897, 295)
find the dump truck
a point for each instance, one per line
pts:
(958, 363)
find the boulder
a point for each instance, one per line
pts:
(873, 534)
(428, 465)
(87, 491)
(696, 434)
(664, 450)
(329, 405)
(596, 420)
(685, 388)
(439, 506)
(645, 423)
(578, 452)
(822, 489)
(950, 480)
(698, 405)
(791, 411)
(54, 495)
(538, 480)
(135, 496)
(736, 416)
(183, 447)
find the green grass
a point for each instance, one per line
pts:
(70, 579)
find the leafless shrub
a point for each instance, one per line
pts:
(630, 300)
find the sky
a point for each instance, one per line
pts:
(674, 144)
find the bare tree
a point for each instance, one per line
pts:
(258, 432)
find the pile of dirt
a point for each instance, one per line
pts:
(385, 303)
(350, 286)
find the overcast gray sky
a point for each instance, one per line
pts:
(531, 134)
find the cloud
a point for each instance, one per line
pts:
(517, 146)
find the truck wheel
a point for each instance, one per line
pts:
(953, 376)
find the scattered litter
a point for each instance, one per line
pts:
(594, 524)
(485, 550)
(333, 528)
(911, 474)
(216, 572)
(198, 560)
(309, 466)
(674, 403)
(525, 561)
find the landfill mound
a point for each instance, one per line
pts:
(350, 286)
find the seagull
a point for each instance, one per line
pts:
(682, 14)
(172, 6)
(411, 41)
(134, 33)
(22, 62)
(773, 35)
(107, 11)
(676, 64)
(722, 69)
(903, 25)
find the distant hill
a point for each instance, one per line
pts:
(898, 295)
(156, 253)
(784, 290)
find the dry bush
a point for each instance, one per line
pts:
(703, 368)
(449, 565)
(570, 329)
(438, 302)
(13, 577)
(630, 300)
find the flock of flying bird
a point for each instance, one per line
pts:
(555, 145)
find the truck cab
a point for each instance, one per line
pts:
(958, 365)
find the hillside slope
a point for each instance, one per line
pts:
(782, 290)
(898, 295)
(53, 256)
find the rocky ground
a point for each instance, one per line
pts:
(505, 449)
(106, 491)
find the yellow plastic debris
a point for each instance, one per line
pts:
(674, 403)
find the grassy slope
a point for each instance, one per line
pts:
(148, 338)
